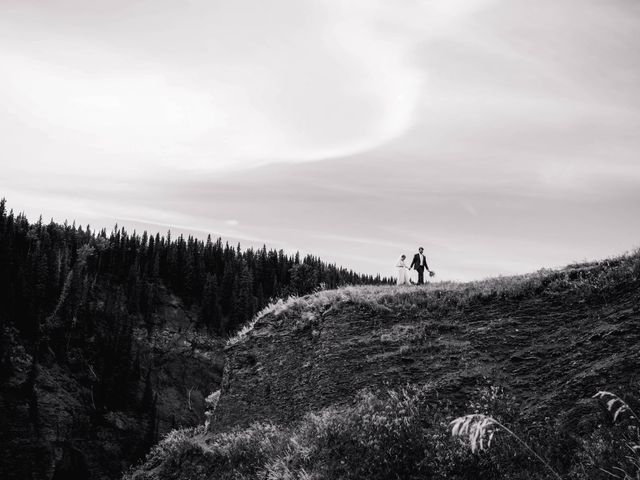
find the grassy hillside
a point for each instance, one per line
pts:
(363, 382)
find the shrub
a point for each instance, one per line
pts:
(404, 434)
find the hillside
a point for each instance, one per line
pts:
(542, 343)
(110, 340)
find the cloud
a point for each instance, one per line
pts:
(475, 127)
(213, 84)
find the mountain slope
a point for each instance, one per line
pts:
(557, 335)
(548, 340)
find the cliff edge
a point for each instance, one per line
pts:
(546, 341)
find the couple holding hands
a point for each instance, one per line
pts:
(419, 263)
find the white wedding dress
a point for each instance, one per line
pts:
(403, 273)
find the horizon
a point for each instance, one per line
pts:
(139, 228)
(500, 136)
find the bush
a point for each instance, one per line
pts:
(403, 434)
(387, 434)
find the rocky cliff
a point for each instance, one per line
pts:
(57, 432)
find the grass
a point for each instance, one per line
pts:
(382, 435)
(616, 406)
(595, 278)
(479, 430)
(403, 434)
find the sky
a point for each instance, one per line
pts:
(503, 136)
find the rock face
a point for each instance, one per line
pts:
(549, 342)
(56, 432)
(185, 367)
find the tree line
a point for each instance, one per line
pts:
(63, 285)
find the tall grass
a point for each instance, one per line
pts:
(383, 435)
(624, 439)
(402, 434)
(478, 431)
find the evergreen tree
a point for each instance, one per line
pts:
(224, 285)
(210, 314)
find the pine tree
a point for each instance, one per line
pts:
(244, 302)
(210, 315)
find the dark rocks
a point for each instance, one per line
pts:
(55, 431)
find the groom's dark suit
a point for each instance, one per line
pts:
(419, 266)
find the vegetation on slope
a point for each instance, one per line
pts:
(574, 282)
(529, 351)
(402, 434)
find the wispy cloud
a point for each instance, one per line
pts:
(500, 135)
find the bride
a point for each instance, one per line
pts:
(403, 271)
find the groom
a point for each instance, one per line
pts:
(420, 264)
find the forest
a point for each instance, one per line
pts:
(78, 294)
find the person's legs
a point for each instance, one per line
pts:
(420, 275)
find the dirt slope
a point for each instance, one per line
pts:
(551, 339)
